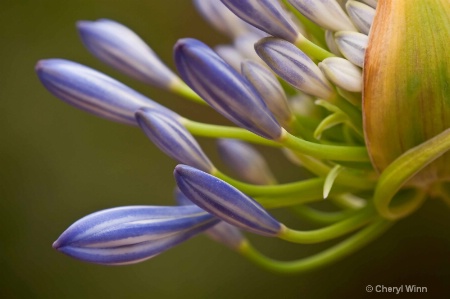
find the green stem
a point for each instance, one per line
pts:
(311, 49)
(326, 257)
(346, 177)
(321, 217)
(330, 232)
(312, 187)
(216, 131)
(185, 91)
(348, 201)
(329, 152)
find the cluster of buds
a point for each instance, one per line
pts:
(355, 92)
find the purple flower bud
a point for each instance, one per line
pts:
(325, 13)
(352, 45)
(172, 138)
(220, 17)
(225, 201)
(294, 66)
(92, 91)
(224, 88)
(361, 15)
(245, 44)
(270, 90)
(222, 232)
(230, 55)
(131, 234)
(121, 48)
(267, 15)
(245, 162)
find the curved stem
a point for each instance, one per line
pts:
(402, 170)
(329, 152)
(330, 232)
(321, 259)
(346, 177)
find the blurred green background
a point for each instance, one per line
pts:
(58, 164)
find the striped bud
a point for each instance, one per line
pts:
(92, 91)
(352, 45)
(128, 235)
(245, 162)
(343, 73)
(325, 13)
(294, 66)
(361, 15)
(169, 135)
(222, 232)
(225, 202)
(270, 90)
(266, 15)
(124, 50)
(223, 88)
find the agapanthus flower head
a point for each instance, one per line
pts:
(368, 118)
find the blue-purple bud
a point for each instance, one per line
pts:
(328, 14)
(92, 91)
(222, 232)
(128, 235)
(121, 48)
(172, 138)
(270, 90)
(223, 88)
(245, 162)
(226, 202)
(220, 17)
(245, 44)
(294, 66)
(230, 55)
(267, 15)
